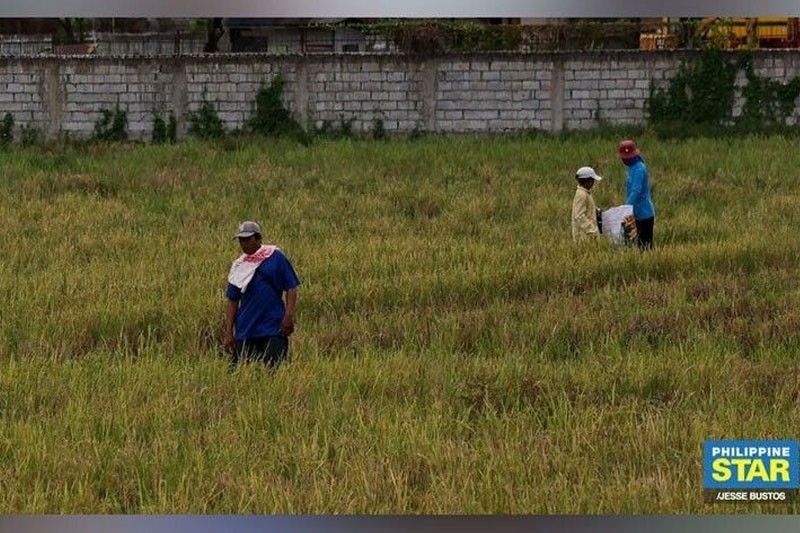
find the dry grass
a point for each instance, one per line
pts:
(455, 352)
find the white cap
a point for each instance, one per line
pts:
(587, 172)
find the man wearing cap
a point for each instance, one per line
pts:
(584, 210)
(258, 321)
(638, 192)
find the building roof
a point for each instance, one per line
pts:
(238, 23)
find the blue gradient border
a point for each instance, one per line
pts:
(406, 8)
(397, 524)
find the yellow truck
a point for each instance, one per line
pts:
(761, 32)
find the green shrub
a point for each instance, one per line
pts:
(271, 118)
(700, 98)
(111, 126)
(159, 130)
(172, 128)
(768, 102)
(702, 92)
(378, 130)
(7, 130)
(30, 136)
(205, 123)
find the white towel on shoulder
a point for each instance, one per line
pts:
(243, 268)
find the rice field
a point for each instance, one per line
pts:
(455, 352)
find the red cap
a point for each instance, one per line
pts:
(627, 150)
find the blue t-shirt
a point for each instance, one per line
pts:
(638, 190)
(261, 307)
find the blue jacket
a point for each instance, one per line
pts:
(638, 190)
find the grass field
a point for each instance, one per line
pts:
(454, 353)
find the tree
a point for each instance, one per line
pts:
(214, 32)
(71, 31)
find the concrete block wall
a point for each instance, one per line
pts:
(86, 88)
(461, 93)
(364, 89)
(21, 92)
(493, 94)
(231, 87)
(779, 66)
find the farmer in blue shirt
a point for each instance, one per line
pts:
(259, 322)
(638, 192)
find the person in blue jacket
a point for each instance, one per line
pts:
(638, 192)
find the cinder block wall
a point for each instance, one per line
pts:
(495, 92)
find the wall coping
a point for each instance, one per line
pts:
(248, 57)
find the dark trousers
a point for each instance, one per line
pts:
(271, 351)
(644, 228)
